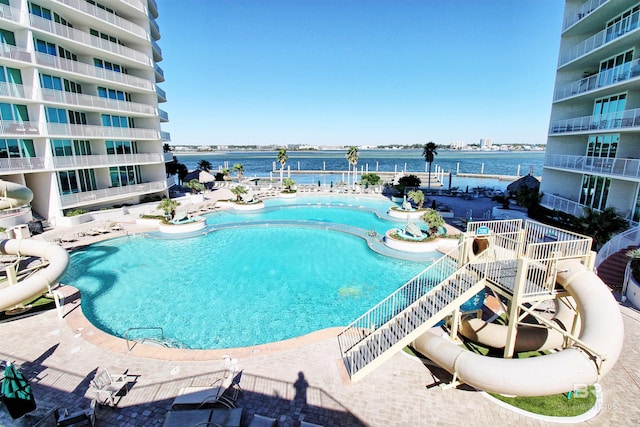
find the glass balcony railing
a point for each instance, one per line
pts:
(89, 40)
(91, 70)
(156, 48)
(627, 168)
(105, 160)
(600, 80)
(18, 164)
(111, 18)
(161, 93)
(168, 156)
(605, 36)
(165, 136)
(82, 100)
(159, 70)
(108, 194)
(90, 131)
(620, 120)
(588, 7)
(163, 115)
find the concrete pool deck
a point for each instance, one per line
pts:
(61, 356)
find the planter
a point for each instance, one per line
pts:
(418, 247)
(149, 221)
(248, 206)
(72, 221)
(633, 291)
(192, 224)
(288, 195)
(400, 214)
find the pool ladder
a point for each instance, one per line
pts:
(162, 341)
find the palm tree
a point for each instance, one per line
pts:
(226, 174)
(417, 196)
(204, 165)
(166, 148)
(352, 158)
(195, 186)
(428, 153)
(282, 158)
(239, 169)
(288, 183)
(238, 191)
(601, 225)
(167, 206)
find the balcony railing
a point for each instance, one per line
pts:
(14, 52)
(163, 115)
(628, 168)
(12, 90)
(18, 164)
(137, 4)
(11, 128)
(161, 93)
(620, 120)
(111, 18)
(605, 36)
(599, 80)
(9, 13)
(588, 7)
(106, 194)
(91, 70)
(91, 131)
(165, 136)
(89, 40)
(159, 70)
(562, 204)
(79, 99)
(104, 160)
(168, 156)
(156, 47)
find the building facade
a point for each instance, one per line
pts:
(593, 148)
(79, 119)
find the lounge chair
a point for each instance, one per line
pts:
(262, 421)
(204, 417)
(85, 417)
(107, 386)
(222, 393)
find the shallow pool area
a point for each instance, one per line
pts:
(244, 285)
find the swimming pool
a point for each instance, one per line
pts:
(239, 286)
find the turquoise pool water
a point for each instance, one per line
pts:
(240, 286)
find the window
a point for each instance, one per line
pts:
(603, 145)
(103, 92)
(61, 147)
(622, 24)
(7, 37)
(117, 121)
(77, 117)
(109, 66)
(50, 82)
(121, 147)
(124, 175)
(615, 69)
(56, 115)
(101, 6)
(40, 11)
(73, 87)
(75, 181)
(45, 47)
(11, 148)
(10, 75)
(64, 53)
(104, 36)
(13, 112)
(82, 147)
(595, 190)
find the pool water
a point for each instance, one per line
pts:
(238, 287)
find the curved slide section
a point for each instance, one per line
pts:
(529, 338)
(14, 195)
(38, 282)
(602, 331)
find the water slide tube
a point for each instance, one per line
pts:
(601, 330)
(14, 195)
(529, 338)
(38, 282)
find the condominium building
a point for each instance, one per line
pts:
(593, 145)
(79, 119)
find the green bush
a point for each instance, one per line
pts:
(75, 212)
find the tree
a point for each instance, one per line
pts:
(168, 206)
(433, 220)
(428, 152)
(370, 179)
(408, 181)
(166, 148)
(528, 198)
(226, 174)
(601, 225)
(503, 199)
(416, 196)
(238, 191)
(288, 183)
(204, 165)
(195, 186)
(352, 158)
(239, 169)
(282, 158)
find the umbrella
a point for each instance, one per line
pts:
(16, 392)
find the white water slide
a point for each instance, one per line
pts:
(14, 195)
(592, 355)
(14, 292)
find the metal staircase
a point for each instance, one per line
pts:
(407, 313)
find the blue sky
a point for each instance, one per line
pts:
(358, 72)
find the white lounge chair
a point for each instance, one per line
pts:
(106, 386)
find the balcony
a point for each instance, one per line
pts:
(111, 194)
(588, 7)
(9, 13)
(159, 73)
(14, 52)
(87, 39)
(19, 129)
(90, 70)
(137, 4)
(162, 95)
(88, 101)
(168, 156)
(157, 52)
(12, 90)
(165, 136)
(615, 167)
(22, 164)
(90, 131)
(600, 39)
(558, 203)
(106, 160)
(164, 116)
(103, 15)
(598, 81)
(627, 119)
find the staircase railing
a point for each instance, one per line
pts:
(398, 301)
(620, 241)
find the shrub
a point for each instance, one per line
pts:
(75, 212)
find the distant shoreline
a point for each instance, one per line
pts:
(253, 150)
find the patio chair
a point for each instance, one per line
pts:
(85, 417)
(107, 386)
